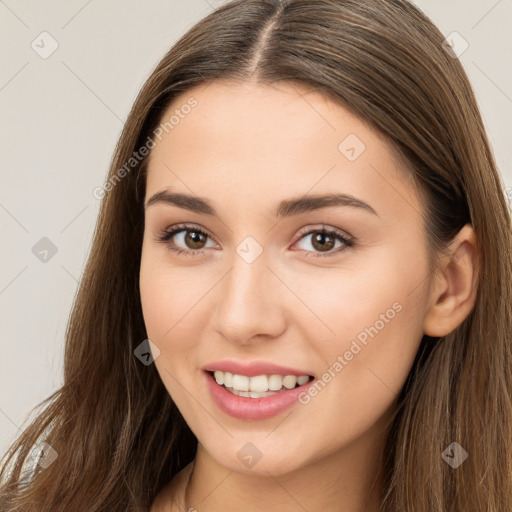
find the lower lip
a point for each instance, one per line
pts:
(246, 408)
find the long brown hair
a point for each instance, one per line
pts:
(118, 435)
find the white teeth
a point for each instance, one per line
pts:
(302, 380)
(275, 382)
(219, 377)
(228, 379)
(289, 381)
(259, 385)
(240, 382)
(250, 394)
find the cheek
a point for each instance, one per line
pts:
(166, 298)
(366, 366)
(378, 291)
(174, 303)
(167, 294)
(153, 295)
(368, 326)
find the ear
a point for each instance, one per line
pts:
(454, 291)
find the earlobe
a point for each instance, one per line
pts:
(455, 289)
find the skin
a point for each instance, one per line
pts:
(246, 147)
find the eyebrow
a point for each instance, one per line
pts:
(286, 208)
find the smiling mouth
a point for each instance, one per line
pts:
(258, 386)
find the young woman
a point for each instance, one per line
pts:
(299, 291)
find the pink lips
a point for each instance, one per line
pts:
(247, 408)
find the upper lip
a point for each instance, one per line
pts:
(253, 368)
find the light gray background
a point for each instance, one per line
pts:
(61, 117)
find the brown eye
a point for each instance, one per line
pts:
(195, 239)
(323, 242)
(183, 239)
(190, 240)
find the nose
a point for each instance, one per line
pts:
(250, 302)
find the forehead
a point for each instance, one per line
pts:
(253, 116)
(281, 139)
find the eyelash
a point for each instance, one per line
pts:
(166, 235)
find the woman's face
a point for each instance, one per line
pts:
(260, 170)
